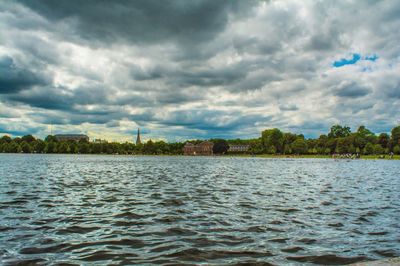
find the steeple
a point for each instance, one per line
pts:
(138, 137)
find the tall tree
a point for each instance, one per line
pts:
(384, 140)
(63, 147)
(28, 138)
(272, 140)
(39, 146)
(299, 146)
(50, 138)
(396, 136)
(5, 139)
(25, 147)
(338, 131)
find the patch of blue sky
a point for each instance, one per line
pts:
(371, 57)
(356, 57)
(344, 61)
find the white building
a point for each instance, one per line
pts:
(238, 148)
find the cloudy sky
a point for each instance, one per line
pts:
(197, 69)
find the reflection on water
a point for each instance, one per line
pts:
(57, 209)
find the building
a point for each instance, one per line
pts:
(99, 141)
(204, 148)
(138, 141)
(238, 148)
(71, 137)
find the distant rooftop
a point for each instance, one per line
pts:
(67, 137)
(70, 135)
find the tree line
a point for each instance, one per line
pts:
(339, 140)
(30, 144)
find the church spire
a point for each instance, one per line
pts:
(138, 137)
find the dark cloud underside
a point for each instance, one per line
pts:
(186, 69)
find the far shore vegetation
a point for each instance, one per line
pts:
(272, 143)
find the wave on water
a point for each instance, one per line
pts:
(121, 210)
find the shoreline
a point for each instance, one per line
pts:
(363, 157)
(265, 156)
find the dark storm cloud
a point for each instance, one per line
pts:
(393, 91)
(19, 131)
(198, 68)
(14, 78)
(254, 45)
(42, 51)
(353, 106)
(141, 74)
(109, 117)
(61, 118)
(352, 90)
(60, 98)
(176, 97)
(141, 21)
(311, 125)
(212, 120)
(211, 77)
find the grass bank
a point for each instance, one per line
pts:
(311, 156)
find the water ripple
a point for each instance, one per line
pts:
(121, 210)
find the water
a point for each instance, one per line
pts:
(77, 209)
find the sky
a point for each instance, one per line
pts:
(197, 69)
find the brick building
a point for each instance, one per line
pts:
(203, 148)
(72, 137)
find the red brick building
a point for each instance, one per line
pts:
(204, 148)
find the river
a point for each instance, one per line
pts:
(119, 210)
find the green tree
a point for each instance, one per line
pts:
(272, 139)
(271, 150)
(384, 140)
(287, 149)
(396, 149)
(369, 148)
(363, 131)
(299, 146)
(352, 149)
(39, 146)
(396, 135)
(342, 146)
(13, 147)
(25, 147)
(360, 141)
(161, 147)
(97, 148)
(63, 147)
(5, 139)
(149, 147)
(83, 141)
(338, 131)
(73, 147)
(331, 144)
(51, 147)
(327, 151)
(289, 138)
(28, 138)
(366, 134)
(84, 148)
(378, 149)
(256, 146)
(50, 138)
